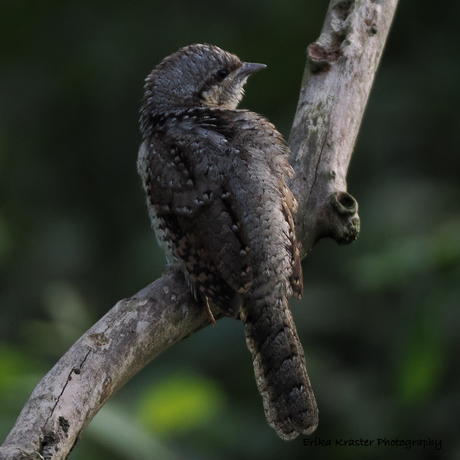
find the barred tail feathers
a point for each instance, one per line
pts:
(279, 366)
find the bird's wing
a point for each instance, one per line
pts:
(188, 187)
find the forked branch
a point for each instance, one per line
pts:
(340, 70)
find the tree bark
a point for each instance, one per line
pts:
(340, 70)
(341, 66)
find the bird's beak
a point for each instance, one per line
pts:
(249, 68)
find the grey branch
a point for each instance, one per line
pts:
(338, 77)
(340, 70)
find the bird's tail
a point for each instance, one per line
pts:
(279, 365)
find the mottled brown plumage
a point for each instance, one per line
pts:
(215, 178)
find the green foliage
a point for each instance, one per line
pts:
(180, 402)
(18, 376)
(423, 360)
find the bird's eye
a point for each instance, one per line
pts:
(221, 74)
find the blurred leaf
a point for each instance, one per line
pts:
(68, 310)
(180, 403)
(69, 317)
(394, 264)
(448, 243)
(116, 428)
(398, 261)
(422, 362)
(18, 376)
(13, 364)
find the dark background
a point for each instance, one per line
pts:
(379, 320)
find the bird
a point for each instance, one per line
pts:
(215, 178)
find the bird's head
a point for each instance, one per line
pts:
(197, 76)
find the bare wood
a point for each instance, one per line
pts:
(129, 336)
(340, 70)
(338, 77)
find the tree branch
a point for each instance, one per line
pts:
(128, 337)
(338, 77)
